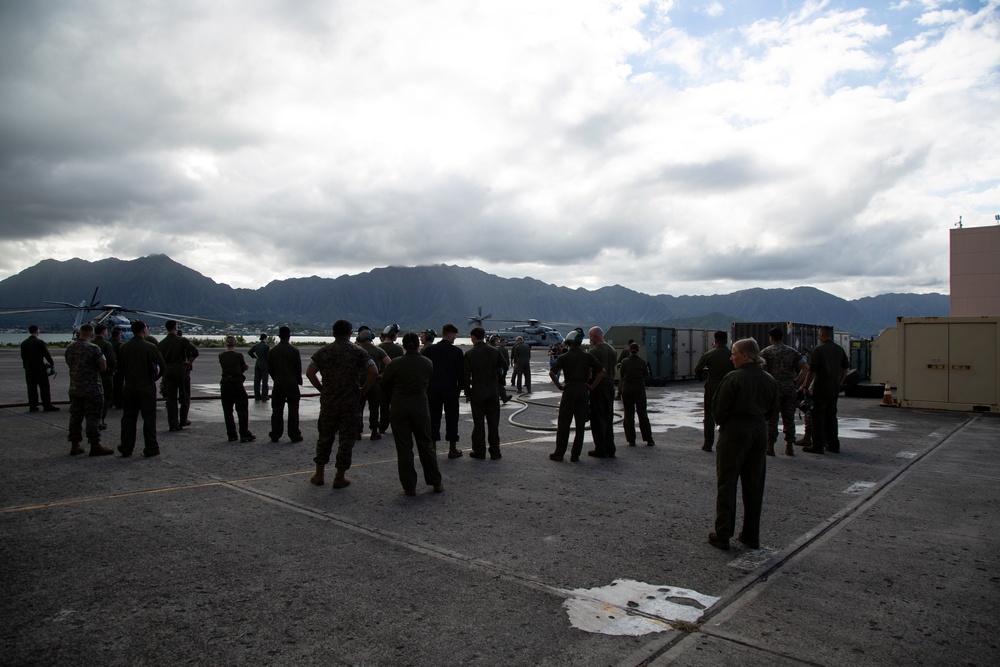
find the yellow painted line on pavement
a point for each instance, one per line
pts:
(113, 496)
(184, 487)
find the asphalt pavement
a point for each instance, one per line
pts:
(223, 553)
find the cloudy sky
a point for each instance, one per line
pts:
(672, 146)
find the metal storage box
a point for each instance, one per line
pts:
(949, 363)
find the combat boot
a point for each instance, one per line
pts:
(789, 449)
(770, 449)
(75, 449)
(339, 481)
(806, 438)
(317, 477)
(96, 449)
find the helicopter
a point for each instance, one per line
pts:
(110, 315)
(531, 330)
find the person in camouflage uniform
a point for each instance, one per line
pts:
(107, 376)
(86, 397)
(339, 364)
(788, 367)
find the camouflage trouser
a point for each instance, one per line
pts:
(337, 417)
(87, 406)
(786, 407)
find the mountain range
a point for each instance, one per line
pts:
(428, 296)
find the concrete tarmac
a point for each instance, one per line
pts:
(223, 553)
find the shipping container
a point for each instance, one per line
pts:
(861, 357)
(655, 346)
(885, 357)
(689, 345)
(949, 363)
(803, 337)
(843, 339)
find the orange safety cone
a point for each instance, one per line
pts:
(887, 399)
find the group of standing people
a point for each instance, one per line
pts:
(407, 388)
(746, 391)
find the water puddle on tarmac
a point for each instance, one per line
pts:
(634, 608)
(684, 408)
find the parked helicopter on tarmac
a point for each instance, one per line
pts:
(531, 330)
(108, 314)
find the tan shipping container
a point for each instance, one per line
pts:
(949, 363)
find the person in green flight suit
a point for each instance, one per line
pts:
(284, 365)
(37, 362)
(602, 399)
(521, 358)
(633, 371)
(828, 366)
(405, 381)
(233, 394)
(714, 364)
(744, 401)
(483, 368)
(178, 353)
(260, 375)
(583, 373)
(141, 365)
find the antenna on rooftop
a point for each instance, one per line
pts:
(959, 223)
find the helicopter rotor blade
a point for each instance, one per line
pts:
(63, 303)
(186, 319)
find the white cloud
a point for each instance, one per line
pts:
(582, 143)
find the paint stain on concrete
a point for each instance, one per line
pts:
(634, 608)
(859, 487)
(752, 559)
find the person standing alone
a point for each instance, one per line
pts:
(744, 401)
(259, 354)
(37, 361)
(284, 365)
(632, 371)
